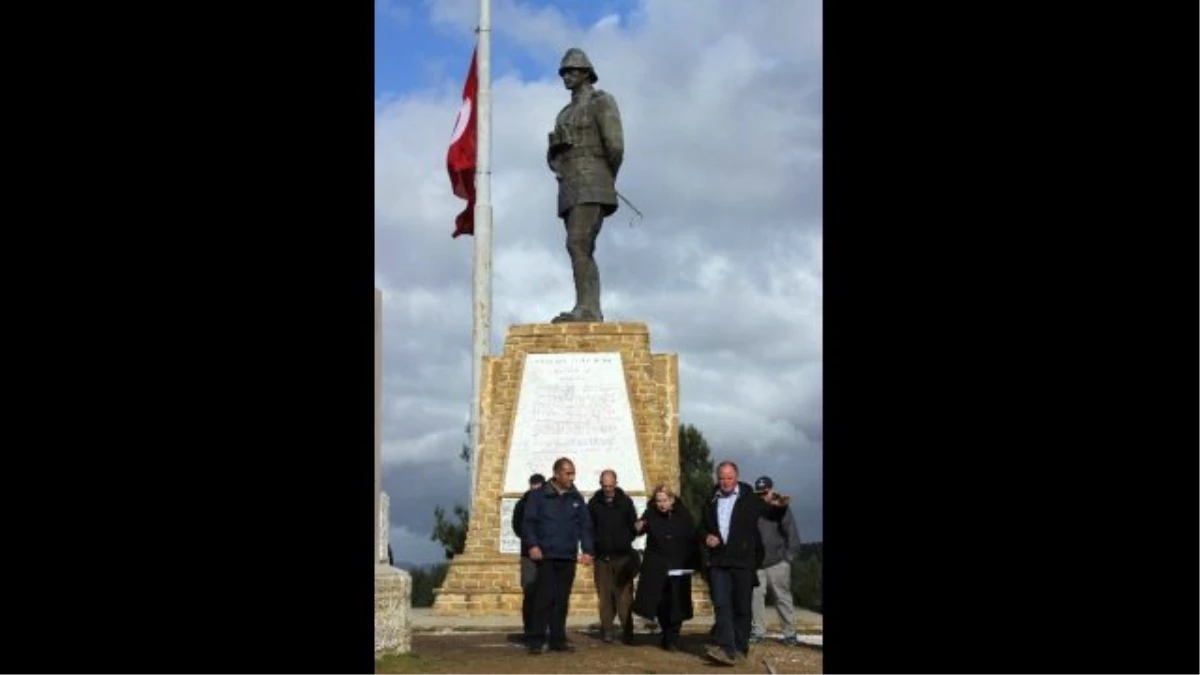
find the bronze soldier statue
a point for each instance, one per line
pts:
(586, 148)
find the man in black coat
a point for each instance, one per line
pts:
(613, 517)
(528, 568)
(735, 552)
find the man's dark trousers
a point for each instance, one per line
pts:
(529, 591)
(614, 576)
(554, 581)
(732, 590)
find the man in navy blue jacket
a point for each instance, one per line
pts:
(555, 527)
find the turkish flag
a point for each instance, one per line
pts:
(460, 160)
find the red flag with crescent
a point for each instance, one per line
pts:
(460, 160)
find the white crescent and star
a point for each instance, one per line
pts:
(460, 122)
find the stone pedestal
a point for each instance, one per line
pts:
(393, 610)
(393, 595)
(393, 587)
(592, 392)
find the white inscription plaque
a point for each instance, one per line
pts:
(509, 543)
(574, 405)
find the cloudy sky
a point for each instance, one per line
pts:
(721, 103)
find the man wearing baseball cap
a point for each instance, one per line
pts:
(781, 543)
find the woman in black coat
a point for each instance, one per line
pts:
(670, 545)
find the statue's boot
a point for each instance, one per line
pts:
(577, 315)
(587, 292)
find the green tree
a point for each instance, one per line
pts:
(426, 578)
(464, 453)
(695, 470)
(453, 535)
(806, 582)
(810, 549)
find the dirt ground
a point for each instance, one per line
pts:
(499, 653)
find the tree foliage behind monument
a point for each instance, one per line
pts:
(807, 576)
(426, 578)
(450, 534)
(695, 470)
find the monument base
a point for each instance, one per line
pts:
(393, 610)
(491, 586)
(485, 578)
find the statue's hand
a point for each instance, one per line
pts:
(555, 164)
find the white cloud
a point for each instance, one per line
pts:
(721, 102)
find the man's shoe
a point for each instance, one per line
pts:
(721, 656)
(567, 647)
(791, 641)
(606, 638)
(538, 650)
(755, 639)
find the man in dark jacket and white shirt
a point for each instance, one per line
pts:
(781, 543)
(735, 554)
(555, 527)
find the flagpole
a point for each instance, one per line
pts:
(481, 331)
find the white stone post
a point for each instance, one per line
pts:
(393, 587)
